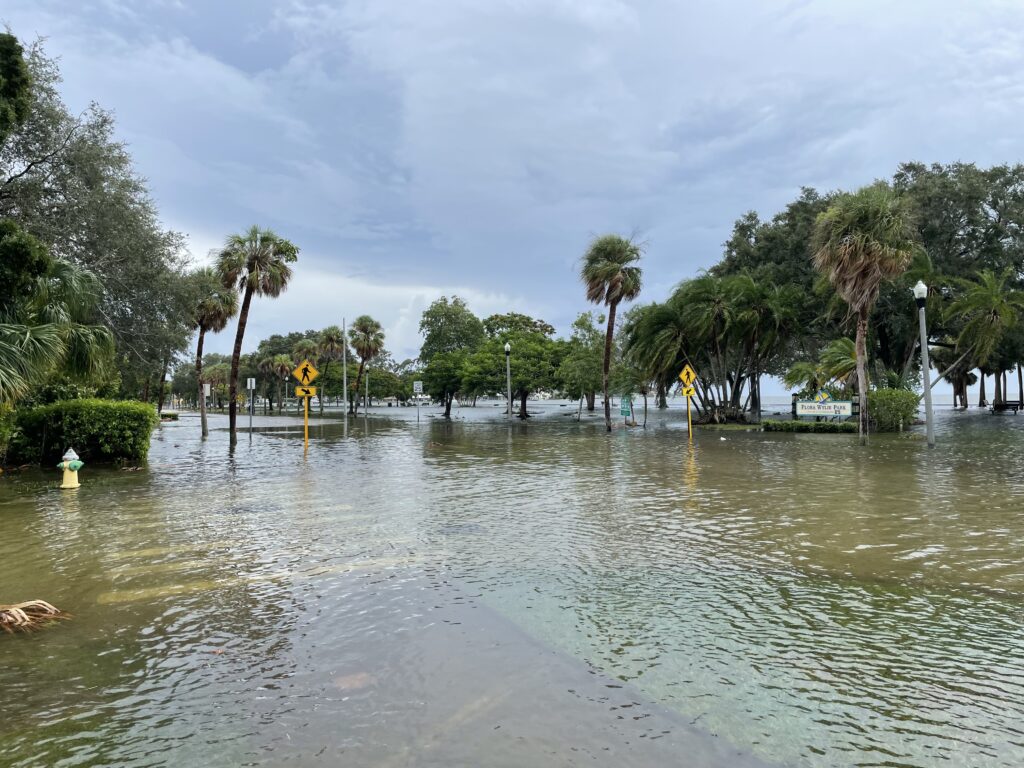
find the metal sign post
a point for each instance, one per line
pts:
(417, 390)
(688, 376)
(306, 373)
(252, 401)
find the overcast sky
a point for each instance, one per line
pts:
(413, 149)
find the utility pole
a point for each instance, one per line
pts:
(921, 298)
(344, 367)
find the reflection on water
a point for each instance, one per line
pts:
(494, 594)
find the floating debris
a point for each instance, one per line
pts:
(25, 617)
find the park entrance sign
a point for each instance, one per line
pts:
(824, 408)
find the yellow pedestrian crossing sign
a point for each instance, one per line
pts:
(689, 391)
(305, 391)
(305, 372)
(687, 375)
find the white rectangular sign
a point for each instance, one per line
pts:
(206, 389)
(251, 384)
(417, 387)
(824, 408)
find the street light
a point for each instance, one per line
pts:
(508, 377)
(921, 298)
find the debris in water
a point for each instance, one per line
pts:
(25, 617)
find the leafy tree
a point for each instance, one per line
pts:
(534, 359)
(367, 339)
(450, 332)
(256, 263)
(69, 182)
(609, 273)
(581, 368)
(863, 239)
(330, 344)
(443, 377)
(448, 326)
(215, 305)
(513, 322)
(15, 85)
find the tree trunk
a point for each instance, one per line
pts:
(199, 378)
(645, 409)
(997, 382)
(862, 376)
(522, 405)
(591, 397)
(662, 401)
(981, 389)
(145, 391)
(607, 363)
(163, 386)
(1020, 386)
(359, 380)
(448, 397)
(236, 354)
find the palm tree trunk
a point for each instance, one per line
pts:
(660, 397)
(981, 389)
(163, 386)
(591, 397)
(199, 378)
(604, 373)
(645, 409)
(999, 391)
(236, 354)
(862, 376)
(359, 379)
(1020, 386)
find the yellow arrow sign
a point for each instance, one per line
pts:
(689, 391)
(305, 391)
(305, 372)
(687, 375)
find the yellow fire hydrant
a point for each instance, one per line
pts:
(70, 465)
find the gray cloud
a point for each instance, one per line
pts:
(412, 147)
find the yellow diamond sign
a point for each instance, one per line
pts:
(687, 375)
(305, 391)
(305, 372)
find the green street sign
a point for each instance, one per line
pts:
(625, 406)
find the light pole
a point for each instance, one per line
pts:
(508, 377)
(921, 298)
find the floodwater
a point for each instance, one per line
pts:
(476, 593)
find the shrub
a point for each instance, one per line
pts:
(809, 426)
(98, 430)
(891, 410)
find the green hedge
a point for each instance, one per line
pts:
(809, 426)
(892, 410)
(98, 430)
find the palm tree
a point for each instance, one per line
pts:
(839, 361)
(217, 375)
(214, 307)
(281, 366)
(862, 239)
(266, 365)
(367, 339)
(50, 328)
(989, 307)
(609, 273)
(330, 344)
(256, 262)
